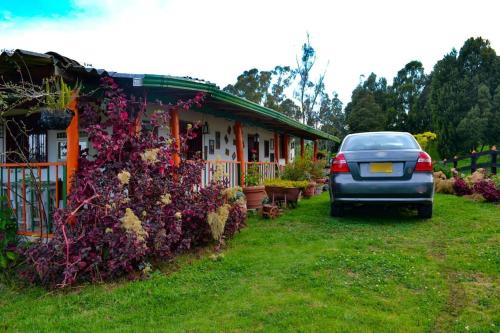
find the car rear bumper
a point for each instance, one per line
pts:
(418, 189)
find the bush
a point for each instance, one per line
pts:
(302, 184)
(488, 190)
(461, 187)
(130, 203)
(440, 166)
(8, 236)
(299, 169)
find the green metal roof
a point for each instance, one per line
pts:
(222, 96)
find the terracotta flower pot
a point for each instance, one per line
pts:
(254, 195)
(310, 189)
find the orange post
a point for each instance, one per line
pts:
(286, 148)
(277, 147)
(238, 131)
(302, 149)
(315, 150)
(176, 135)
(73, 143)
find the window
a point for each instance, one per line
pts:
(37, 147)
(266, 148)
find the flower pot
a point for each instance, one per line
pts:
(276, 193)
(254, 195)
(55, 119)
(309, 190)
(290, 194)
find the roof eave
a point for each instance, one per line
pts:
(216, 93)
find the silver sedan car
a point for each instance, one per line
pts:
(381, 167)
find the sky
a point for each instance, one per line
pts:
(217, 40)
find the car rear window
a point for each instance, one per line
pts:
(379, 141)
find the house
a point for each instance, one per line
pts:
(234, 133)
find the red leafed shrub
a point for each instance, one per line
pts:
(488, 190)
(129, 203)
(461, 187)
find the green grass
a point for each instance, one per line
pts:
(372, 271)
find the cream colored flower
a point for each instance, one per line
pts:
(150, 155)
(132, 224)
(217, 220)
(108, 230)
(189, 126)
(166, 199)
(178, 215)
(124, 177)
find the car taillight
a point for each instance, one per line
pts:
(339, 164)
(424, 163)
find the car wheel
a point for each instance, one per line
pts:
(425, 211)
(336, 210)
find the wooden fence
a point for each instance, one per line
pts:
(492, 165)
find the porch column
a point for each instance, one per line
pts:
(277, 147)
(175, 133)
(315, 150)
(238, 131)
(73, 144)
(286, 147)
(302, 149)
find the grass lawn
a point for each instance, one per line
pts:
(372, 271)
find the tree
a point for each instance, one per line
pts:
(369, 107)
(476, 120)
(407, 88)
(454, 94)
(252, 85)
(267, 88)
(308, 92)
(494, 123)
(364, 114)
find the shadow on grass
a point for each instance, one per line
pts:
(380, 214)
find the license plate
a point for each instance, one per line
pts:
(381, 167)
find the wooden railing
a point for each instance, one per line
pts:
(33, 191)
(267, 170)
(228, 171)
(474, 157)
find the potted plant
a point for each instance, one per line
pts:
(56, 114)
(254, 191)
(282, 189)
(309, 191)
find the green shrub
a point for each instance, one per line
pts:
(302, 184)
(252, 177)
(8, 235)
(299, 169)
(440, 166)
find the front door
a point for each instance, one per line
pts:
(253, 149)
(194, 145)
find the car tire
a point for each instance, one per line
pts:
(336, 210)
(425, 211)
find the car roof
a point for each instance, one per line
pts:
(380, 132)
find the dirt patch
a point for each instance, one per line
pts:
(454, 305)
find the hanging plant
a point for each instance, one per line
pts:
(56, 114)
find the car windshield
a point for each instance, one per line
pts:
(379, 141)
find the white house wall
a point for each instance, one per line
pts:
(215, 124)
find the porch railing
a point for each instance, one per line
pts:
(33, 191)
(267, 170)
(230, 171)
